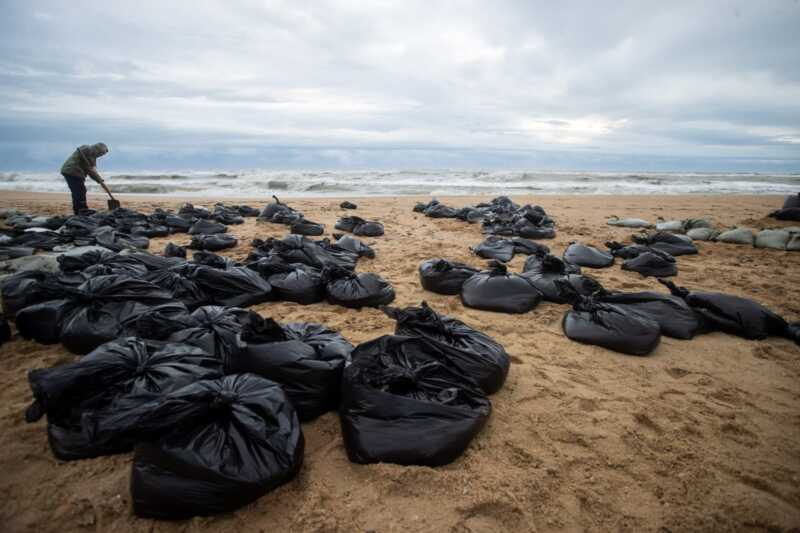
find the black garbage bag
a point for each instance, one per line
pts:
(671, 243)
(161, 321)
(125, 368)
(629, 251)
(213, 243)
(732, 314)
(652, 263)
(787, 213)
(189, 210)
(792, 200)
(13, 252)
(30, 287)
(440, 211)
(247, 211)
(348, 223)
(51, 223)
(179, 224)
(542, 271)
(306, 227)
(498, 290)
(349, 289)
(108, 306)
(117, 241)
(673, 315)
(470, 214)
(525, 229)
(616, 327)
(287, 217)
(173, 250)
(234, 287)
(279, 212)
(153, 262)
(77, 259)
(528, 247)
(215, 330)
(587, 256)
(42, 322)
(207, 227)
(419, 207)
(474, 353)
(210, 447)
(209, 259)
(79, 226)
(404, 402)
(146, 230)
(294, 282)
(89, 326)
(348, 205)
(40, 240)
(99, 261)
(539, 263)
(497, 248)
(298, 249)
(183, 289)
(793, 331)
(354, 245)
(339, 255)
(224, 216)
(444, 277)
(359, 226)
(369, 228)
(305, 359)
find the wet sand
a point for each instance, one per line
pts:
(702, 435)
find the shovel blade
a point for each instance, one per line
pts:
(113, 204)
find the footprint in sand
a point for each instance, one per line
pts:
(677, 373)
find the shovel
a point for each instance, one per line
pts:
(113, 203)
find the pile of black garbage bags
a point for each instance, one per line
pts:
(419, 397)
(99, 295)
(501, 216)
(281, 213)
(120, 229)
(498, 289)
(630, 323)
(307, 271)
(211, 402)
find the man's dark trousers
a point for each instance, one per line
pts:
(77, 186)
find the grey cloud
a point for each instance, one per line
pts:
(449, 81)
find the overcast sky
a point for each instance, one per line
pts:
(402, 84)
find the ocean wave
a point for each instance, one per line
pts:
(326, 186)
(153, 188)
(171, 177)
(416, 182)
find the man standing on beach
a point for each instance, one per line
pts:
(80, 164)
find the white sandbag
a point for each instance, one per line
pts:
(45, 262)
(702, 234)
(772, 238)
(669, 225)
(697, 223)
(794, 243)
(737, 236)
(628, 222)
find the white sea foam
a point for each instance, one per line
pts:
(414, 182)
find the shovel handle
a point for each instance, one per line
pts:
(105, 187)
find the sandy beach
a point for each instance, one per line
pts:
(702, 435)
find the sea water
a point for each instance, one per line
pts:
(413, 182)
